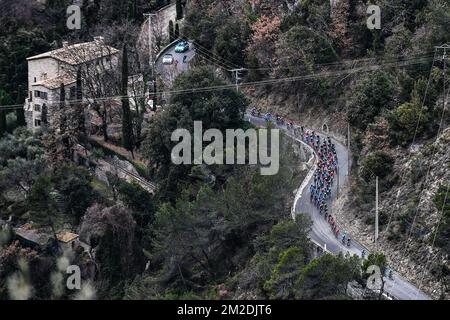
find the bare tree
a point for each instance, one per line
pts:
(97, 65)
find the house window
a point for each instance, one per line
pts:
(34, 79)
(31, 96)
(37, 122)
(37, 108)
(40, 94)
(73, 92)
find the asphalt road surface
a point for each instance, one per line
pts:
(168, 72)
(322, 234)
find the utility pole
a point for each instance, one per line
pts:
(376, 210)
(348, 148)
(237, 77)
(151, 61)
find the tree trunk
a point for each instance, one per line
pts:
(105, 128)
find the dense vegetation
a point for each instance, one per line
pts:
(393, 100)
(218, 231)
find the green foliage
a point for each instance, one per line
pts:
(438, 21)
(222, 110)
(65, 194)
(141, 204)
(307, 47)
(179, 9)
(64, 191)
(281, 284)
(327, 276)
(229, 44)
(207, 233)
(73, 185)
(405, 121)
(412, 119)
(15, 47)
(176, 32)
(376, 259)
(370, 97)
(377, 163)
(21, 160)
(201, 24)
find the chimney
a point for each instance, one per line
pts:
(65, 44)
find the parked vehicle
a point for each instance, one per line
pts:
(182, 46)
(167, 59)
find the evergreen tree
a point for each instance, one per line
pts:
(176, 34)
(179, 9)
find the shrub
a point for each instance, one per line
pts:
(377, 163)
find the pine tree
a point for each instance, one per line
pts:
(179, 9)
(127, 125)
(177, 31)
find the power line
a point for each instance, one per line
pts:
(212, 57)
(415, 134)
(338, 63)
(435, 234)
(206, 57)
(248, 84)
(225, 61)
(445, 98)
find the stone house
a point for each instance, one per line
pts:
(47, 71)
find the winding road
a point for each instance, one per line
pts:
(168, 72)
(321, 233)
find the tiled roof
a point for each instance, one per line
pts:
(55, 83)
(30, 234)
(66, 236)
(79, 53)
